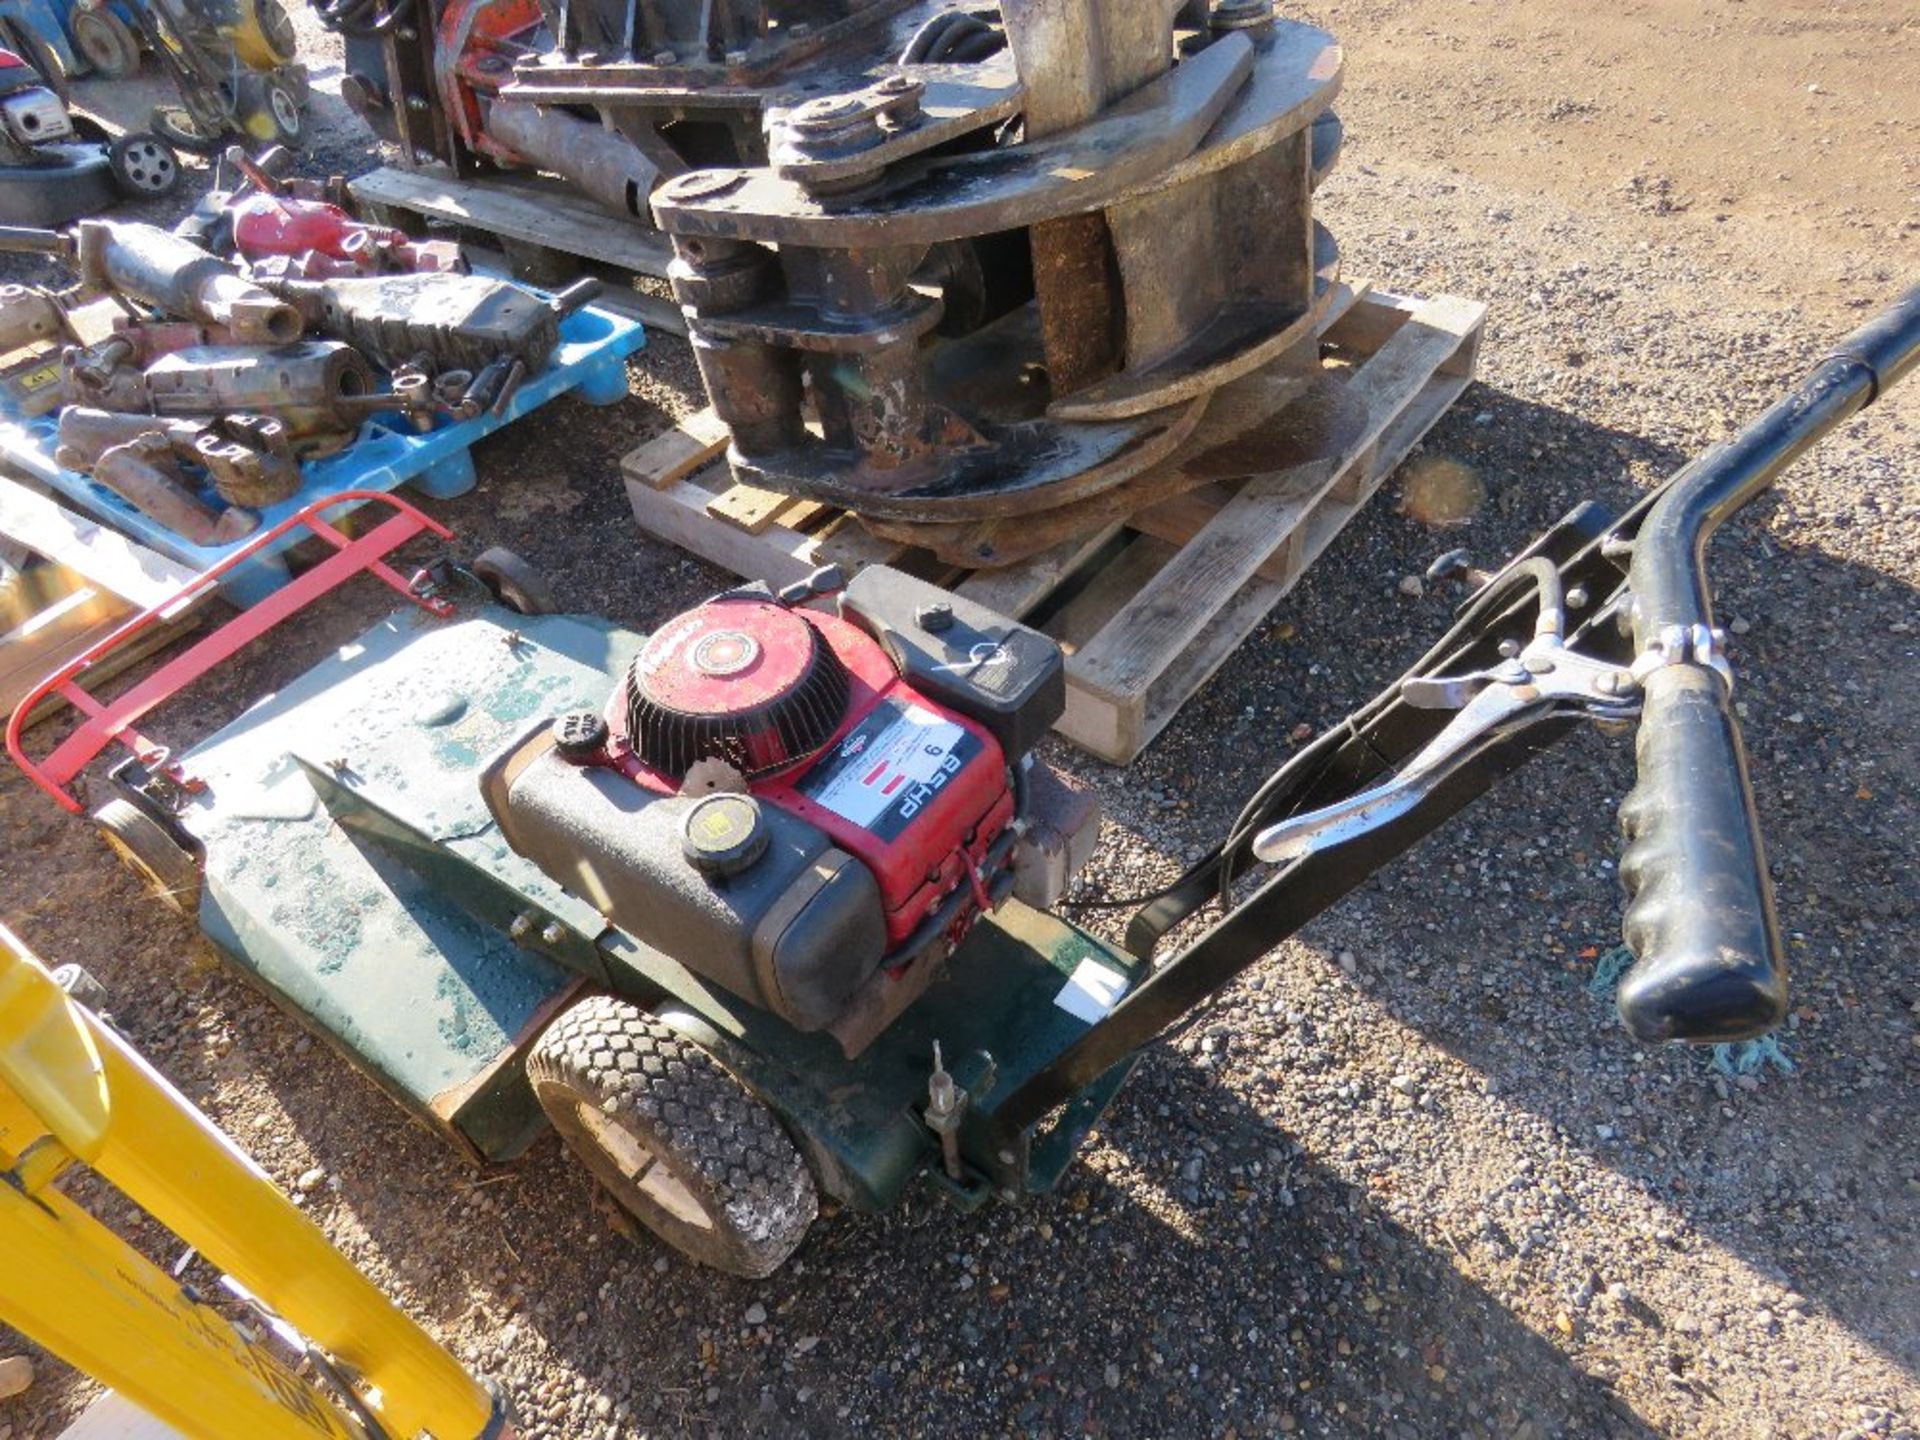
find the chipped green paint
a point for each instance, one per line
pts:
(394, 966)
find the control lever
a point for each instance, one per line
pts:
(1541, 680)
(827, 580)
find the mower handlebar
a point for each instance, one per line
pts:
(1700, 919)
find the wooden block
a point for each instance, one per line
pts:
(1195, 665)
(747, 507)
(1089, 612)
(1185, 516)
(674, 454)
(1147, 633)
(678, 515)
(796, 514)
(848, 544)
(47, 639)
(75, 615)
(1366, 326)
(1014, 590)
(1358, 480)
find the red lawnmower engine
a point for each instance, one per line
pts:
(809, 809)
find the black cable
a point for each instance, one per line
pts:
(1253, 815)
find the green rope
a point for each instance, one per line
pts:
(1747, 1057)
(1607, 971)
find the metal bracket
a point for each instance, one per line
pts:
(1541, 680)
(1685, 645)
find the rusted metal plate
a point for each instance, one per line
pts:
(957, 196)
(1277, 419)
(1082, 309)
(1238, 337)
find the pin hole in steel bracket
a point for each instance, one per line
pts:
(104, 724)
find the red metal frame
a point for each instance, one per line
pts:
(106, 723)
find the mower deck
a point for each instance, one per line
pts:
(385, 948)
(352, 868)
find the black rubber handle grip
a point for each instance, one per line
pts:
(1708, 965)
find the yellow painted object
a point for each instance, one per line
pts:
(260, 34)
(73, 1093)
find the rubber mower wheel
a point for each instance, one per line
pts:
(514, 582)
(167, 868)
(181, 128)
(677, 1140)
(144, 166)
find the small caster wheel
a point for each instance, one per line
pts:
(514, 583)
(167, 867)
(144, 166)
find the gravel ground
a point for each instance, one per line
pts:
(1408, 1177)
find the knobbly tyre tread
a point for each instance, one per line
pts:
(710, 1132)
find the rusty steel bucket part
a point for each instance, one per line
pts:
(133, 472)
(961, 292)
(312, 387)
(454, 321)
(603, 163)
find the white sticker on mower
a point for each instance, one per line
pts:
(903, 765)
(1091, 991)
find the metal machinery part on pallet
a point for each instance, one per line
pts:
(1002, 256)
(1141, 238)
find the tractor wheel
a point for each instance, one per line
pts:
(514, 583)
(110, 47)
(676, 1138)
(144, 166)
(167, 867)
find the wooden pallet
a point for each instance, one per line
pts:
(528, 208)
(91, 580)
(1146, 610)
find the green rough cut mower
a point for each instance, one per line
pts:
(758, 906)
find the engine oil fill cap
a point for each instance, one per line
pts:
(724, 834)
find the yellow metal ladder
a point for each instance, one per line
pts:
(73, 1093)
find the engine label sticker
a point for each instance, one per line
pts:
(1091, 991)
(890, 767)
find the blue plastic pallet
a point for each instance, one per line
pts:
(590, 361)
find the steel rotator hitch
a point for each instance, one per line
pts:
(1603, 619)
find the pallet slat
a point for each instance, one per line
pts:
(1177, 589)
(1148, 633)
(538, 212)
(95, 580)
